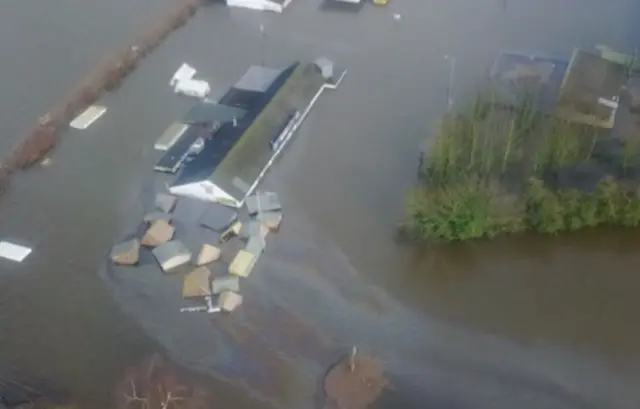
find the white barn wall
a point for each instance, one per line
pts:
(206, 191)
(260, 5)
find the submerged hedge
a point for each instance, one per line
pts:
(492, 170)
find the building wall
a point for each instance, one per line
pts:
(262, 5)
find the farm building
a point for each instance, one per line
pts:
(518, 78)
(260, 114)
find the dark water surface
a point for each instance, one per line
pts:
(528, 321)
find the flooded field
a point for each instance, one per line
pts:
(525, 321)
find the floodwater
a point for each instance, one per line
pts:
(515, 322)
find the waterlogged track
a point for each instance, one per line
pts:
(561, 312)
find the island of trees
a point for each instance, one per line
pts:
(493, 169)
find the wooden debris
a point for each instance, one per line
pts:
(271, 219)
(126, 253)
(171, 255)
(242, 264)
(233, 230)
(197, 283)
(229, 301)
(208, 254)
(158, 233)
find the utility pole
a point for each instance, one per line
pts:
(262, 38)
(452, 71)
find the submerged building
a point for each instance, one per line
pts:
(591, 90)
(246, 129)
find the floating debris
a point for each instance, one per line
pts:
(229, 301)
(255, 245)
(165, 202)
(218, 217)
(126, 253)
(253, 228)
(233, 230)
(158, 233)
(197, 283)
(46, 162)
(14, 252)
(208, 307)
(263, 202)
(226, 283)
(171, 255)
(271, 219)
(208, 254)
(155, 216)
(242, 264)
(88, 116)
(170, 136)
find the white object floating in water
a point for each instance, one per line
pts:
(608, 103)
(89, 116)
(193, 88)
(397, 16)
(14, 252)
(184, 73)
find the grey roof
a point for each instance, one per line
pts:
(248, 157)
(234, 157)
(258, 78)
(211, 112)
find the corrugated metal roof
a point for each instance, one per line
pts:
(247, 158)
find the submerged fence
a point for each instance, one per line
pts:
(106, 76)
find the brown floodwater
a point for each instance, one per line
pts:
(514, 321)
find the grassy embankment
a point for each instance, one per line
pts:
(491, 171)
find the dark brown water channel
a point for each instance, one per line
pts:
(523, 321)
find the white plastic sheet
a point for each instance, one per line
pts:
(14, 252)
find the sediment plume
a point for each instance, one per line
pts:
(105, 77)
